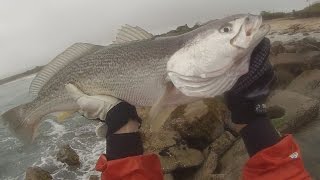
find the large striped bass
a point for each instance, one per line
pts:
(144, 70)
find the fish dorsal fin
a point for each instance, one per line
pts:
(129, 33)
(74, 52)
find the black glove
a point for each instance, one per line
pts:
(246, 99)
(126, 144)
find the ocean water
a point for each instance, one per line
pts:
(78, 132)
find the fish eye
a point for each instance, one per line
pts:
(226, 29)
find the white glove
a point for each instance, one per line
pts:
(92, 107)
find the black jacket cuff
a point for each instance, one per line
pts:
(124, 145)
(258, 135)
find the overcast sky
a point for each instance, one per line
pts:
(33, 32)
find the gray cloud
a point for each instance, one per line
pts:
(35, 31)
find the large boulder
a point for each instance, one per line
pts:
(308, 83)
(232, 162)
(284, 78)
(199, 123)
(67, 155)
(208, 167)
(295, 63)
(222, 144)
(212, 154)
(36, 173)
(298, 108)
(277, 48)
(176, 157)
(172, 150)
(158, 141)
(304, 45)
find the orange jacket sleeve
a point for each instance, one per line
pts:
(143, 167)
(280, 161)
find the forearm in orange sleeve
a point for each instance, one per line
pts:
(280, 161)
(142, 167)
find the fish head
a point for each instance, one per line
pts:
(216, 50)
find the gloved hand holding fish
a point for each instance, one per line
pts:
(142, 70)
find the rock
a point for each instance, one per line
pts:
(208, 167)
(290, 62)
(290, 48)
(217, 177)
(199, 123)
(67, 155)
(94, 177)
(284, 78)
(277, 48)
(306, 34)
(272, 32)
(308, 83)
(295, 28)
(222, 144)
(275, 112)
(172, 150)
(168, 177)
(296, 63)
(176, 157)
(299, 109)
(158, 141)
(310, 40)
(232, 162)
(36, 173)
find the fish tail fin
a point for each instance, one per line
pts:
(15, 120)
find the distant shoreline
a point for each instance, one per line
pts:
(21, 75)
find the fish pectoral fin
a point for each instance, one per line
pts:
(161, 111)
(129, 33)
(62, 116)
(158, 117)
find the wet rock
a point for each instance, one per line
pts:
(222, 144)
(168, 177)
(67, 155)
(94, 177)
(158, 141)
(199, 123)
(277, 48)
(36, 173)
(310, 40)
(232, 162)
(275, 112)
(298, 108)
(208, 167)
(308, 83)
(180, 158)
(290, 48)
(296, 63)
(284, 78)
(290, 62)
(172, 150)
(217, 177)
